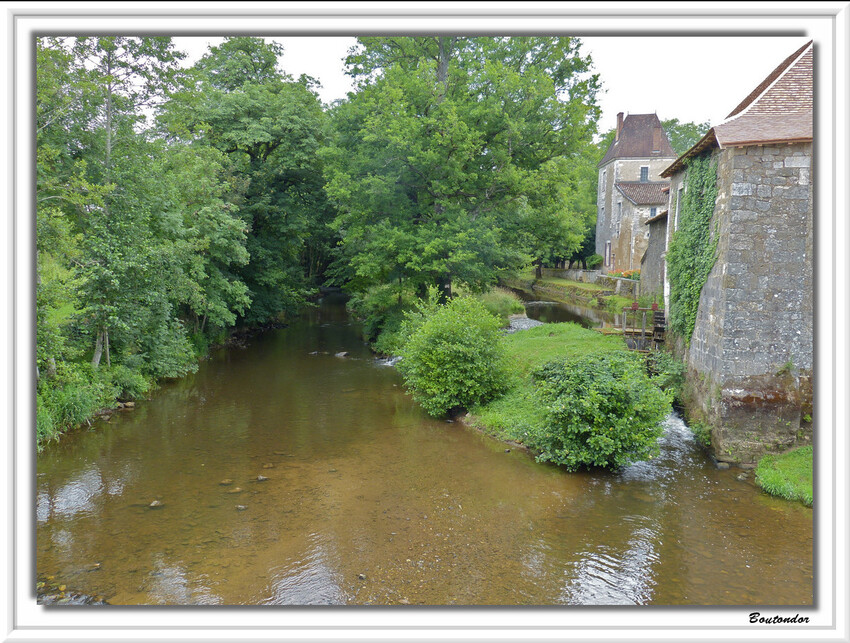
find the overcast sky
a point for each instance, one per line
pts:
(670, 76)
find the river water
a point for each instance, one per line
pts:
(369, 501)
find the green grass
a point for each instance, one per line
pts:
(510, 416)
(788, 475)
(502, 303)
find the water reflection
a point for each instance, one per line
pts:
(366, 500)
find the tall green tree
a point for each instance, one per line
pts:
(270, 128)
(447, 152)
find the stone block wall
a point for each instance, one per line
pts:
(750, 356)
(652, 265)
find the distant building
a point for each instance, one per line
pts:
(750, 355)
(630, 190)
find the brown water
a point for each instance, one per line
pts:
(370, 501)
(552, 312)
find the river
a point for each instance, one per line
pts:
(369, 501)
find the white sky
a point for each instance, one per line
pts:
(675, 77)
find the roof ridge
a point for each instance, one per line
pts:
(769, 81)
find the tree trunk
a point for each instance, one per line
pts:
(538, 269)
(98, 350)
(446, 45)
(106, 345)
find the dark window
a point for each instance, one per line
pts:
(644, 174)
(652, 212)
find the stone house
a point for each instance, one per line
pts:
(652, 264)
(750, 356)
(630, 189)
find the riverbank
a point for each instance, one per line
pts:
(589, 295)
(788, 475)
(513, 415)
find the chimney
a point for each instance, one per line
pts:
(656, 139)
(619, 126)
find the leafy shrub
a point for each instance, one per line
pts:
(594, 261)
(379, 311)
(502, 303)
(667, 372)
(601, 410)
(75, 394)
(453, 355)
(129, 383)
(702, 433)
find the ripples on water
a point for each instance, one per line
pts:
(368, 501)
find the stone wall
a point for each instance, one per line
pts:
(623, 169)
(652, 265)
(618, 285)
(750, 356)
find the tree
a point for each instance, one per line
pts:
(270, 128)
(445, 156)
(683, 136)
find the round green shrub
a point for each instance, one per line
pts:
(601, 411)
(454, 357)
(594, 261)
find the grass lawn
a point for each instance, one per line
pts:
(509, 416)
(788, 475)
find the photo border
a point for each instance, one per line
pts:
(600, 18)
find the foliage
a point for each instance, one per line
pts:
(152, 238)
(788, 475)
(702, 433)
(380, 309)
(667, 373)
(692, 250)
(448, 164)
(515, 414)
(502, 303)
(594, 261)
(601, 411)
(627, 274)
(683, 136)
(453, 356)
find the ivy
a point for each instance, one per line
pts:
(692, 250)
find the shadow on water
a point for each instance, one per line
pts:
(288, 475)
(553, 312)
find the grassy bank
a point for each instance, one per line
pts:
(788, 475)
(511, 416)
(572, 292)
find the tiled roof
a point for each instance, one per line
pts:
(657, 217)
(776, 73)
(642, 136)
(646, 193)
(778, 111)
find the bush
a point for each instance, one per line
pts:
(379, 310)
(129, 383)
(502, 303)
(667, 372)
(453, 355)
(601, 411)
(594, 261)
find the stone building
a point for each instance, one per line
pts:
(750, 356)
(630, 190)
(652, 265)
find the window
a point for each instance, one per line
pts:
(607, 253)
(644, 174)
(652, 212)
